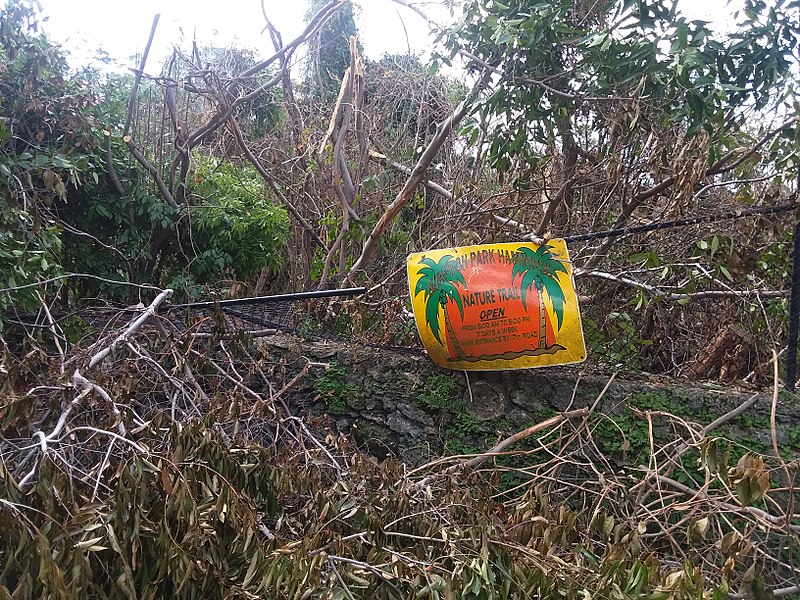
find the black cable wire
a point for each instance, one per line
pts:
(278, 298)
(726, 216)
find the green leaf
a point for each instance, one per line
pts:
(556, 295)
(432, 315)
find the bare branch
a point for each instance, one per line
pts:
(162, 187)
(28, 286)
(443, 132)
(138, 75)
(659, 293)
(148, 313)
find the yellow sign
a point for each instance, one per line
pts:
(497, 306)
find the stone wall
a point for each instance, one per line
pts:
(400, 403)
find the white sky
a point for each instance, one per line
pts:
(121, 27)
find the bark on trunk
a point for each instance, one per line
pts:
(716, 350)
(452, 334)
(542, 322)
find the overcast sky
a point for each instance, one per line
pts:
(121, 27)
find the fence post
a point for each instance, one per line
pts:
(794, 313)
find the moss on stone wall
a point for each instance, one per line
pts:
(402, 404)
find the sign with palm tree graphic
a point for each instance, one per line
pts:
(498, 306)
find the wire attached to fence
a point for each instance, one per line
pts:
(726, 216)
(278, 298)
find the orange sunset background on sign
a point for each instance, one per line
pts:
(499, 306)
(497, 323)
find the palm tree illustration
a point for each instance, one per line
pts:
(439, 281)
(540, 269)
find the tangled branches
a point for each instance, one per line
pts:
(170, 463)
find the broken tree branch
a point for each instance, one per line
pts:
(662, 294)
(521, 435)
(346, 105)
(122, 338)
(443, 132)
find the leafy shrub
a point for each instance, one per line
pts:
(242, 229)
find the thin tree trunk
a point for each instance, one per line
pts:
(542, 322)
(452, 333)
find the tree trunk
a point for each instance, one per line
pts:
(452, 334)
(716, 350)
(542, 322)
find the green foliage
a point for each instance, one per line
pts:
(334, 389)
(626, 435)
(59, 211)
(616, 340)
(26, 256)
(308, 327)
(441, 393)
(47, 150)
(241, 228)
(750, 421)
(689, 76)
(793, 436)
(463, 435)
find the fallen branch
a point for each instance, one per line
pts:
(149, 312)
(762, 515)
(478, 459)
(43, 440)
(443, 132)
(659, 293)
(87, 385)
(729, 416)
(521, 435)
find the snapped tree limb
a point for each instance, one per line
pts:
(443, 132)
